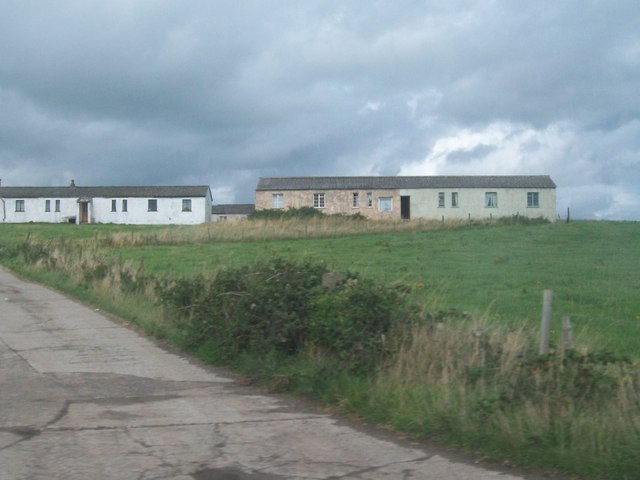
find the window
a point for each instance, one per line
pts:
(57, 205)
(113, 205)
(19, 205)
(152, 205)
(369, 199)
(355, 203)
(124, 205)
(318, 200)
(440, 199)
(277, 200)
(385, 204)
(491, 199)
(454, 199)
(186, 204)
(47, 205)
(532, 200)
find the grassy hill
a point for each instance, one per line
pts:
(473, 379)
(495, 270)
(592, 268)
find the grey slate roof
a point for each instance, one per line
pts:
(381, 183)
(184, 191)
(233, 209)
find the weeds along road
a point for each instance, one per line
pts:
(83, 397)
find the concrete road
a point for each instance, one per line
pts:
(84, 397)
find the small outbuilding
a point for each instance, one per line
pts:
(231, 212)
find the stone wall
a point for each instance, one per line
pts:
(336, 201)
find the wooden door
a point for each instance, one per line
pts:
(84, 212)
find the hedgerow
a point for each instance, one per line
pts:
(282, 306)
(278, 213)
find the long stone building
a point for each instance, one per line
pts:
(433, 197)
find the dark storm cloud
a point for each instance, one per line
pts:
(223, 92)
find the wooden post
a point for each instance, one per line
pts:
(567, 334)
(547, 298)
(568, 215)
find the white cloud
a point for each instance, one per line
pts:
(497, 149)
(370, 107)
(623, 204)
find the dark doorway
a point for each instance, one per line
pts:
(405, 207)
(84, 212)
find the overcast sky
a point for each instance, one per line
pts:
(133, 92)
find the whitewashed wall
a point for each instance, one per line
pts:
(34, 210)
(228, 217)
(471, 203)
(169, 211)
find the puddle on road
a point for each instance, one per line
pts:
(232, 474)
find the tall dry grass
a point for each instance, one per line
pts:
(269, 229)
(484, 386)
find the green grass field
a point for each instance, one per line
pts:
(593, 268)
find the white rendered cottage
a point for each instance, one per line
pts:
(144, 205)
(433, 197)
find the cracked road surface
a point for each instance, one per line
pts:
(83, 397)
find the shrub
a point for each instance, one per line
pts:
(352, 321)
(281, 306)
(258, 308)
(277, 213)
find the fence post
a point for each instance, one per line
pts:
(547, 298)
(567, 334)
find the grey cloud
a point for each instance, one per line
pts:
(463, 156)
(223, 92)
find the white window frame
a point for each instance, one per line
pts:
(124, 205)
(57, 205)
(385, 204)
(186, 204)
(454, 199)
(318, 200)
(440, 199)
(114, 205)
(369, 199)
(152, 205)
(491, 199)
(20, 206)
(47, 205)
(355, 200)
(277, 200)
(533, 200)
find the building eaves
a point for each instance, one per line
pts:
(233, 209)
(107, 192)
(414, 182)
